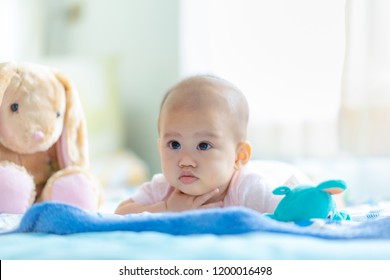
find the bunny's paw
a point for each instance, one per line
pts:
(17, 189)
(73, 186)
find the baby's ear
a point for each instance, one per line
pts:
(244, 153)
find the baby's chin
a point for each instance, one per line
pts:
(191, 190)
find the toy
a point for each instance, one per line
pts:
(303, 202)
(43, 141)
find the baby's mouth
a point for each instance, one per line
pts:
(187, 178)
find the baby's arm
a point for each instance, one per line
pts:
(130, 206)
(176, 202)
(149, 197)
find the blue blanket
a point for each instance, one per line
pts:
(56, 218)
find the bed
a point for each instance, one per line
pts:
(121, 172)
(189, 235)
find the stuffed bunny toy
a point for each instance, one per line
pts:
(43, 141)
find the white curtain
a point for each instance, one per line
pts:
(9, 36)
(287, 57)
(22, 29)
(365, 102)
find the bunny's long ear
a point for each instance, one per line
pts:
(72, 146)
(7, 71)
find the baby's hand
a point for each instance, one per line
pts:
(179, 201)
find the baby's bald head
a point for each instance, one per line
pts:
(204, 92)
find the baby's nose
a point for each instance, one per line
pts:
(38, 135)
(186, 160)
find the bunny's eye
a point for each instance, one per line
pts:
(14, 107)
(58, 114)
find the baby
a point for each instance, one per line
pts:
(203, 148)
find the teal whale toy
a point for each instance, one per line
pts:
(303, 203)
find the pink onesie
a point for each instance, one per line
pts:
(247, 188)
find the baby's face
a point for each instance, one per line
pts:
(198, 148)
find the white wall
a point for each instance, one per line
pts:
(141, 38)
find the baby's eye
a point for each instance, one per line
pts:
(204, 146)
(174, 145)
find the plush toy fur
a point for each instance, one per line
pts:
(43, 141)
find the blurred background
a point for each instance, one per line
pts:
(316, 74)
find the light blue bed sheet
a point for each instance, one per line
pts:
(152, 245)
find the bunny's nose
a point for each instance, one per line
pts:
(38, 135)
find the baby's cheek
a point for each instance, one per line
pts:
(219, 175)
